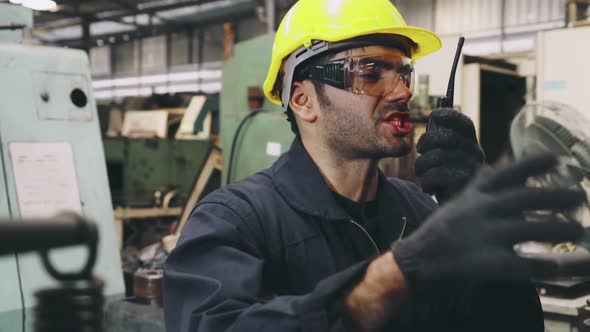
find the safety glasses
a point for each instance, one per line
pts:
(373, 75)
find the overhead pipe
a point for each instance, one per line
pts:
(210, 11)
(192, 15)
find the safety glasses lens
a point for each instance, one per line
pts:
(379, 75)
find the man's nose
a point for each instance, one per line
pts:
(400, 93)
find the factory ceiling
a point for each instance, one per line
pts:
(87, 23)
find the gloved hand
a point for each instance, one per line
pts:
(450, 155)
(473, 235)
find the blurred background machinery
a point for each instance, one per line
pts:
(161, 157)
(563, 131)
(51, 160)
(78, 295)
(254, 131)
(155, 156)
(143, 171)
(157, 150)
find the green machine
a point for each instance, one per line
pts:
(51, 160)
(263, 136)
(143, 170)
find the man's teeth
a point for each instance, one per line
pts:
(398, 122)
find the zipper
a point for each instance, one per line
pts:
(367, 234)
(405, 220)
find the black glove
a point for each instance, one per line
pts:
(473, 235)
(450, 155)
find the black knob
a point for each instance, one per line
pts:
(79, 98)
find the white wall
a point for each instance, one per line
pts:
(563, 73)
(154, 57)
(100, 61)
(179, 49)
(438, 67)
(489, 29)
(126, 58)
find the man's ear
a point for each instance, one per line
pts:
(301, 101)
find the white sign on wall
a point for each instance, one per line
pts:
(45, 177)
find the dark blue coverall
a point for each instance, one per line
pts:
(275, 252)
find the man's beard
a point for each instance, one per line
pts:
(352, 134)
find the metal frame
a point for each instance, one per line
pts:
(84, 13)
(143, 31)
(74, 13)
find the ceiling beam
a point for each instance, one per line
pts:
(68, 14)
(223, 11)
(144, 32)
(116, 15)
(133, 8)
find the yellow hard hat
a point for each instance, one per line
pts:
(309, 21)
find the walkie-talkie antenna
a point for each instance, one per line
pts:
(448, 100)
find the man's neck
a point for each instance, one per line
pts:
(355, 179)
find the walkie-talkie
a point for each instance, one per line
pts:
(447, 101)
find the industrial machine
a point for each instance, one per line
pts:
(143, 170)
(563, 131)
(254, 132)
(76, 304)
(51, 160)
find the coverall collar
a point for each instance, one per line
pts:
(299, 181)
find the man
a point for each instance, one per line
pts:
(321, 241)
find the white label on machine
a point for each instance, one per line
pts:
(273, 149)
(45, 177)
(145, 124)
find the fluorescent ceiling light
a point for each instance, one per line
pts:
(102, 84)
(205, 74)
(153, 79)
(103, 95)
(36, 4)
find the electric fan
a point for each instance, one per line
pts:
(563, 131)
